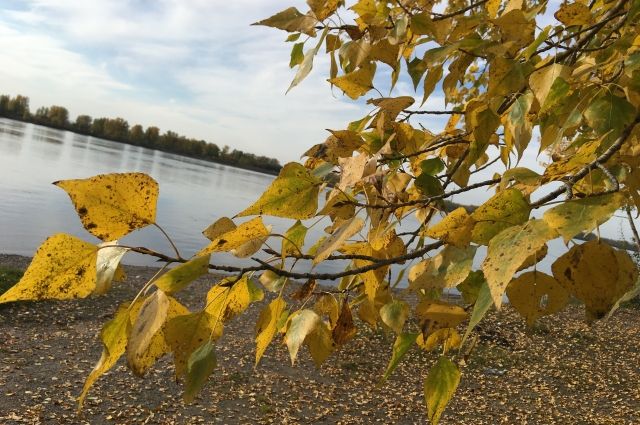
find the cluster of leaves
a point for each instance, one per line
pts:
(575, 82)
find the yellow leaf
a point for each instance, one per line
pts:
(218, 228)
(492, 8)
(447, 269)
(505, 209)
(455, 228)
(227, 302)
(447, 337)
(356, 83)
(293, 194)
(114, 335)
(536, 294)
(597, 274)
(574, 14)
(323, 8)
(301, 324)
(326, 304)
(108, 266)
(367, 312)
(516, 29)
(177, 278)
(185, 333)
(337, 239)
(436, 315)
(508, 250)
(64, 267)
(573, 162)
(267, 325)
(534, 258)
(113, 205)
(246, 232)
(582, 215)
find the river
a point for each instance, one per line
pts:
(193, 194)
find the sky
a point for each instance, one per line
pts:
(196, 67)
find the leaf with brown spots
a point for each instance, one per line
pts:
(436, 315)
(63, 268)
(233, 239)
(344, 329)
(536, 294)
(111, 206)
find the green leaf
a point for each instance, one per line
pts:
(179, 277)
(394, 314)
(432, 166)
(609, 113)
(293, 241)
(428, 185)
(582, 215)
(470, 287)
(297, 56)
(509, 249)
(306, 64)
(416, 69)
(481, 306)
(400, 347)
(445, 270)
(293, 194)
(441, 383)
(201, 364)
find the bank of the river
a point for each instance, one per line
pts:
(564, 372)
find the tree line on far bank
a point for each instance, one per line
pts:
(119, 130)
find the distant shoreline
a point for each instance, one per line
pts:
(258, 170)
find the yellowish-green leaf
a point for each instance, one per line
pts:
(454, 229)
(301, 324)
(597, 274)
(338, 238)
(327, 304)
(293, 194)
(542, 80)
(293, 241)
(509, 249)
(64, 267)
(447, 269)
(151, 318)
(394, 314)
(244, 233)
(177, 278)
(307, 62)
(218, 228)
(470, 287)
(356, 83)
(227, 302)
(114, 335)
(505, 209)
(291, 20)
(320, 343)
(582, 215)
(201, 364)
(113, 205)
(271, 281)
(441, 383)
(186, 333)
(402, 344)
(107, 265)
(267, 325)
(536, 294)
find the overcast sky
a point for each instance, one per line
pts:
(193, 66)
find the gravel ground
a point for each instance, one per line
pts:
(562, 372)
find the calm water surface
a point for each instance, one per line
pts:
(193, 194)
